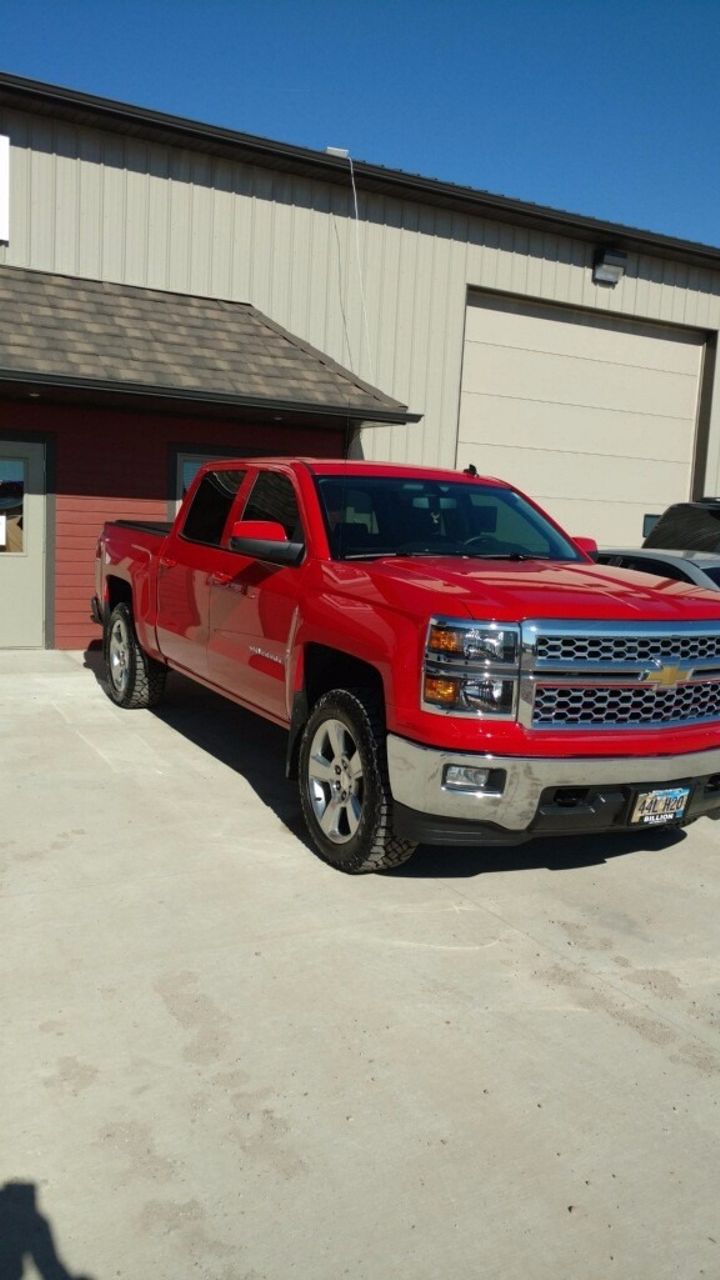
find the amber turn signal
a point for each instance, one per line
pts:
(444, 640)
(441, 691)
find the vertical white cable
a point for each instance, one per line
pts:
(371, 362)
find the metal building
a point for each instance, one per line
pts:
(571, 356)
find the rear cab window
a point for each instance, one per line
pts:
(211, 505)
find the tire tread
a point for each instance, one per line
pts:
(146, 683)
(387, 850)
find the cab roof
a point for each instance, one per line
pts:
(344, 467)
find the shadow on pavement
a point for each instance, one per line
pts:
(436, 862)
(247, 743)
(26, 1236)
(255, 749)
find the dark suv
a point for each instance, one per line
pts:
(688, 526)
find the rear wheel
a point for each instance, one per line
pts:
(134, 679)
(344, 788)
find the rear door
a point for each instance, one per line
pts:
(187, 563)
(252, 604)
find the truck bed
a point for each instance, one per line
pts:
(160, 527)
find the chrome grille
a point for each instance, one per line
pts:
(608, 706)
(627, 648)
(591, 675)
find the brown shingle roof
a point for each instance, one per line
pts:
(73, 332)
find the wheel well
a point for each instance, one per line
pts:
(118, 592)
(327, 669)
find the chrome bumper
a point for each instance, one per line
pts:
(416, 774)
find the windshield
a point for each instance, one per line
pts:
(372, 516)
(714, 575)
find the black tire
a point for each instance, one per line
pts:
(352, 799)
(134, 679)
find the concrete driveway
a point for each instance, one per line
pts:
(222, 1059)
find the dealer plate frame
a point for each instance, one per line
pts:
(659, 806)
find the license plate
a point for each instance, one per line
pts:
(653, 807)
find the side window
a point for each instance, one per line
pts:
(211, 506)
(273, 498)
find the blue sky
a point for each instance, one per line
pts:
(609, 109)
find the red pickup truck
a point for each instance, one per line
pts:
(451, 667)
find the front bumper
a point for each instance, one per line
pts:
(541, 796)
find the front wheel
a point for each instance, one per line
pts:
(344, 788)
(134, 679)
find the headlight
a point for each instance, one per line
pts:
(471, 668)
(489, 643)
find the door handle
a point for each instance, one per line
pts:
(167, 562)
(219, 579)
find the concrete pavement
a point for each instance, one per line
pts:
(222, 1059)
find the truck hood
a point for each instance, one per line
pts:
(509, 591)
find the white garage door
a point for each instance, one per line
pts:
(594, 417)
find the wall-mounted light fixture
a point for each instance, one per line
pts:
(608, 266)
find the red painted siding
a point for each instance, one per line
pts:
(113, 465)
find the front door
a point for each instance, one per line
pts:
(22, 545)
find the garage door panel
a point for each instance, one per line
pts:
(535, 375)
(559, 475)
(543, 425)
(647, 347)
(581, 409)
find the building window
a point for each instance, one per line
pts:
(187, 466)
(12, 503)
(187, 463)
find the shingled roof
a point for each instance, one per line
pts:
(67, 332)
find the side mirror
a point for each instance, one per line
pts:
(265, 540)
(588, 545)
(268, 530)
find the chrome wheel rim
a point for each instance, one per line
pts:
(119, 656)
(335, 783)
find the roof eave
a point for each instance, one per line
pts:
(100, 386)
(18, 91)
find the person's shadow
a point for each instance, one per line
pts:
(25, 1235)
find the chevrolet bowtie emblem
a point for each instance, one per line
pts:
(665, 676)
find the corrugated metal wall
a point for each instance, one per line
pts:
(96, 204)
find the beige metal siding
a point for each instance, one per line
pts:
(595, 417)
(92, 203)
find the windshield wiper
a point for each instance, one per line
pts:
(369, 555)
(446, 553)
(510, 555)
